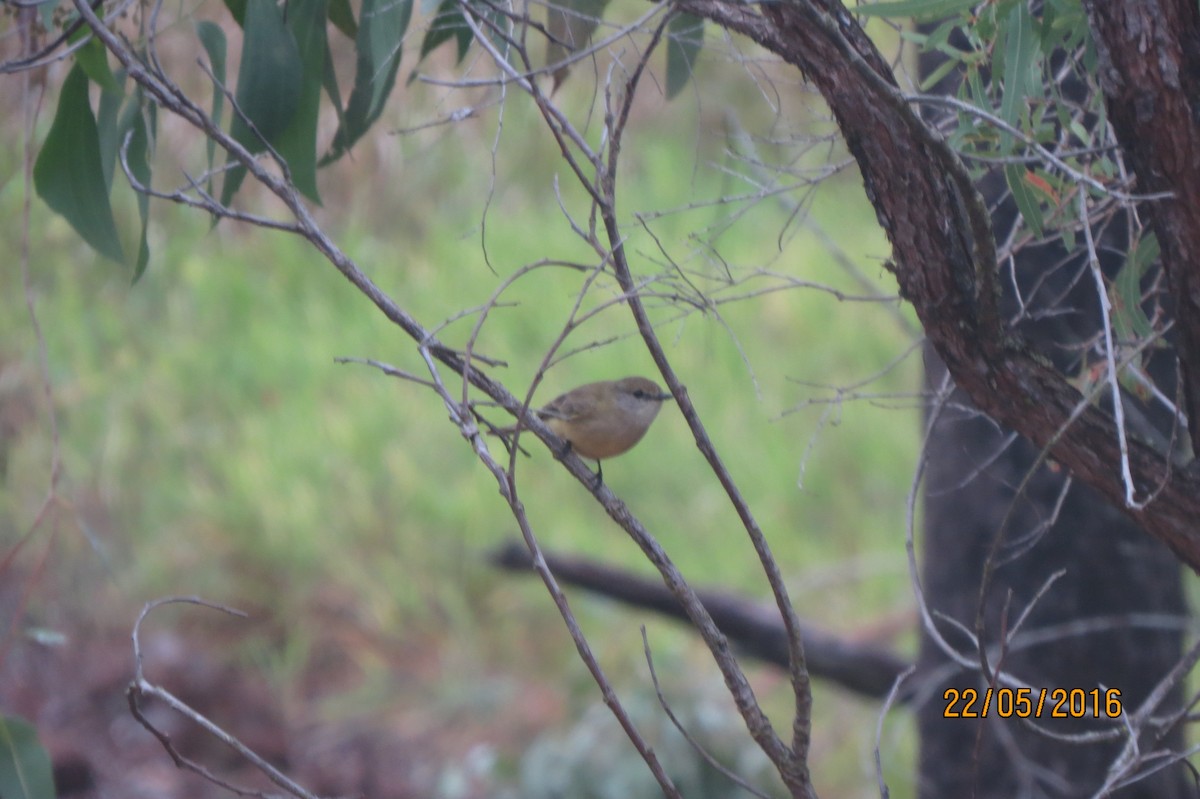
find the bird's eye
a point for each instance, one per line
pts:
(639, 394)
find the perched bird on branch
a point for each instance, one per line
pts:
(604, 419)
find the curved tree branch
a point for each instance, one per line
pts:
(944, 255)
(864, 669)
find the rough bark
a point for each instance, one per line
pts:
(1149, 54)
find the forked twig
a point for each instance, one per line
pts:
(140, 688)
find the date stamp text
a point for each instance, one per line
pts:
(1026, 703)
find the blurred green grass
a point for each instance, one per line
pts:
(211, 445)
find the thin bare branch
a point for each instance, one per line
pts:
(700, 750)
(140, 688)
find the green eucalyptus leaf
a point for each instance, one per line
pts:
(919, 9)
(685, 35)
(238, 9)
(269, 80)
(945, 68)
(342, 17)
(330, 84)
(93, 57)
(448, 23)
(109, 131)
(213, 39)
(25, 771)
(269, 87)
(381, 28)
(1021, 64)
(298, 143)
(1129, 319)
(1025, 197)
(570, 24)
(140, 118)
(69, 174)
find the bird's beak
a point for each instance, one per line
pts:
(663, 397)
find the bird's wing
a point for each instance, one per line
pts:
(565, 407)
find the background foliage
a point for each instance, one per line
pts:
(211, 445)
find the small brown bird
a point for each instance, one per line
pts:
(605, 419)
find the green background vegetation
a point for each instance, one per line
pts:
(212, 446)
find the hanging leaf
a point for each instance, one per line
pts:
(381, 28)
(1039, 184)
(685, 35)
(24, 764)
(213, 39)
(342, 17)
(1024, 196)
(570, 24)
(93, 57)
(269, 84)
(68, 174)
(918, 9)
(1130, 324)
(330, 84)
(298, 144)
(947, 66)
(448, 23)
(269, 80)
(140, 118)
(1020, 68)
(1129, 319)
(238, 9)
(109, 131)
